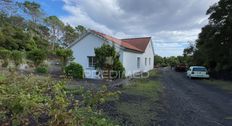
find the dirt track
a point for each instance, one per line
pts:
(191, 103)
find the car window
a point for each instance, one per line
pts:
(200, 69)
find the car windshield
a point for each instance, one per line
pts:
(199, 69)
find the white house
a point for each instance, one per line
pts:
(136, 54)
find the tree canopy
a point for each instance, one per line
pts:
(23, 26)
(214, 45)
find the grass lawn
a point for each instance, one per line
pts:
(137, 102)
(224, 85)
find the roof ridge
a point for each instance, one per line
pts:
(119, 41)
(136, 38)
(105, 35)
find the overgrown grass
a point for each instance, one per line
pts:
(154, 73)
(139, 106)
(2, 77)
(27, 98)
(224, 85)
(138, 113)
(143, 87)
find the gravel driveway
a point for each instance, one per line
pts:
(190, 103)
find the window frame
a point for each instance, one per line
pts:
(145, 61)
(91, 61)
(138, 62)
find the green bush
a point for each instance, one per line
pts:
(37, 56)
(17, 57)
(164, 65)
(74, 70)
(5, 56)
(41, 69)
(118, 67)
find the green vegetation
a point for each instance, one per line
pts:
(64, 55)
(2, 77)
(213, 47)
(143, 88)
(41, 69)
(17, 58)
(31, 100)
(172, 61)
(5, 56)
(27, 34)
(37, 56)
(108, 59)
(224, 85)
(56, 26)
(117, 66)
(70, 34)
(139, 100)
(74, 70)
(23, 26)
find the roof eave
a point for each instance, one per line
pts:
(79, 39)
(115, 43)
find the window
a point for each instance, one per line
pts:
(138, 62)
(92, 61)
(149, 61)
(200, 69)
(145, 61)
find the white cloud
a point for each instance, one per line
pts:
(79, 17)
(167, 21)
(177, 36)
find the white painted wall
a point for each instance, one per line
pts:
(85, 48)
(148, 54)
(130, 60)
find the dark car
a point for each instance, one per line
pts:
(181, 68)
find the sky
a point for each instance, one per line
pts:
(172, 24)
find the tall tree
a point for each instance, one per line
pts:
(17, 21)
(189, 50)
(33, 9)
(158, 60)
(70, 35)
(56, 28)
(215, 40)
(81, 29)
(9, 7)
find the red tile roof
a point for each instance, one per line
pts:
(136, 44)
(140, 43)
